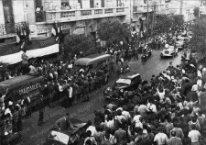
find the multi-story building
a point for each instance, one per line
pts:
(143, 12)
(73, 16)
(183, 7)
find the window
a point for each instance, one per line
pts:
(65, 5)
(91, 3)
(102, 3)
(39, 13)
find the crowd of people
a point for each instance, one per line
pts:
(165, 111)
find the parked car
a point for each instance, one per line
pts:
(169, 51)
(126, 83)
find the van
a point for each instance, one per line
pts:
(22, 87)
(94, 61)
(97, 63)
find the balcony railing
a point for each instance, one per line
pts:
(8, 30)
(81, 14)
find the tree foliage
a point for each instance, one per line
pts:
(198, 41)
(163, 23)
(113, 31)
(74, 44)
(178, 20)
(196, 12)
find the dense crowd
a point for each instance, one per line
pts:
(164, 111)
(63, 82)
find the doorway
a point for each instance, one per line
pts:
(8, 16)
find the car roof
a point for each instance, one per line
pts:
(129, 76)
(91, 59)
(133, 76)
(60, 137)
(124, 81)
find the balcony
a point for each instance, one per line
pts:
(83, 14)
(9, 30)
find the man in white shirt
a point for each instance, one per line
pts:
(92, 129)
(194, 136)
(151, 107)
(161, 138)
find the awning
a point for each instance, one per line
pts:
(12, 54)
(34, 53)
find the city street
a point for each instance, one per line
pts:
(35, 135)
(69, 72)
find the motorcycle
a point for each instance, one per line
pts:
(146, 54)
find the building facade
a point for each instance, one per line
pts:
(144, 11)
(183, 7)
(73, 16)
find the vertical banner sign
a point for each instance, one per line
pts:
(8, 16)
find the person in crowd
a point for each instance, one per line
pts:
(174, 140)
(161, 138)
(194, 136)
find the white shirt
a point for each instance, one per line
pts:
(194, 87)
(161, 139)
(126, 115)
(152, 107)
(199, 83)
(110, 124)
(136, 118)
(161, 94)
(92, 129)
(139, 125)
(194, 135)
(70, 92)
(7, 111)
(119, 118)
(199, 74)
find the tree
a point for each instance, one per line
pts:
(112, 31)
(74, 44)
(198, 41)
(196, 12)
(163, 23)
(178, 20)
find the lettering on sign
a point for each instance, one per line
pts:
(28, 89)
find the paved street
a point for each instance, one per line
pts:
(35, 135)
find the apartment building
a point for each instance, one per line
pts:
(73, 16)
(182, 7)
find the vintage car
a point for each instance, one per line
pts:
(169, 51)
(126, 83)
(59, 135)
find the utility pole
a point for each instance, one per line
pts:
(147, 14)
(131, 12)
(181, 7)
(153, 18)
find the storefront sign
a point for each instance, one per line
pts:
(80, 30)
